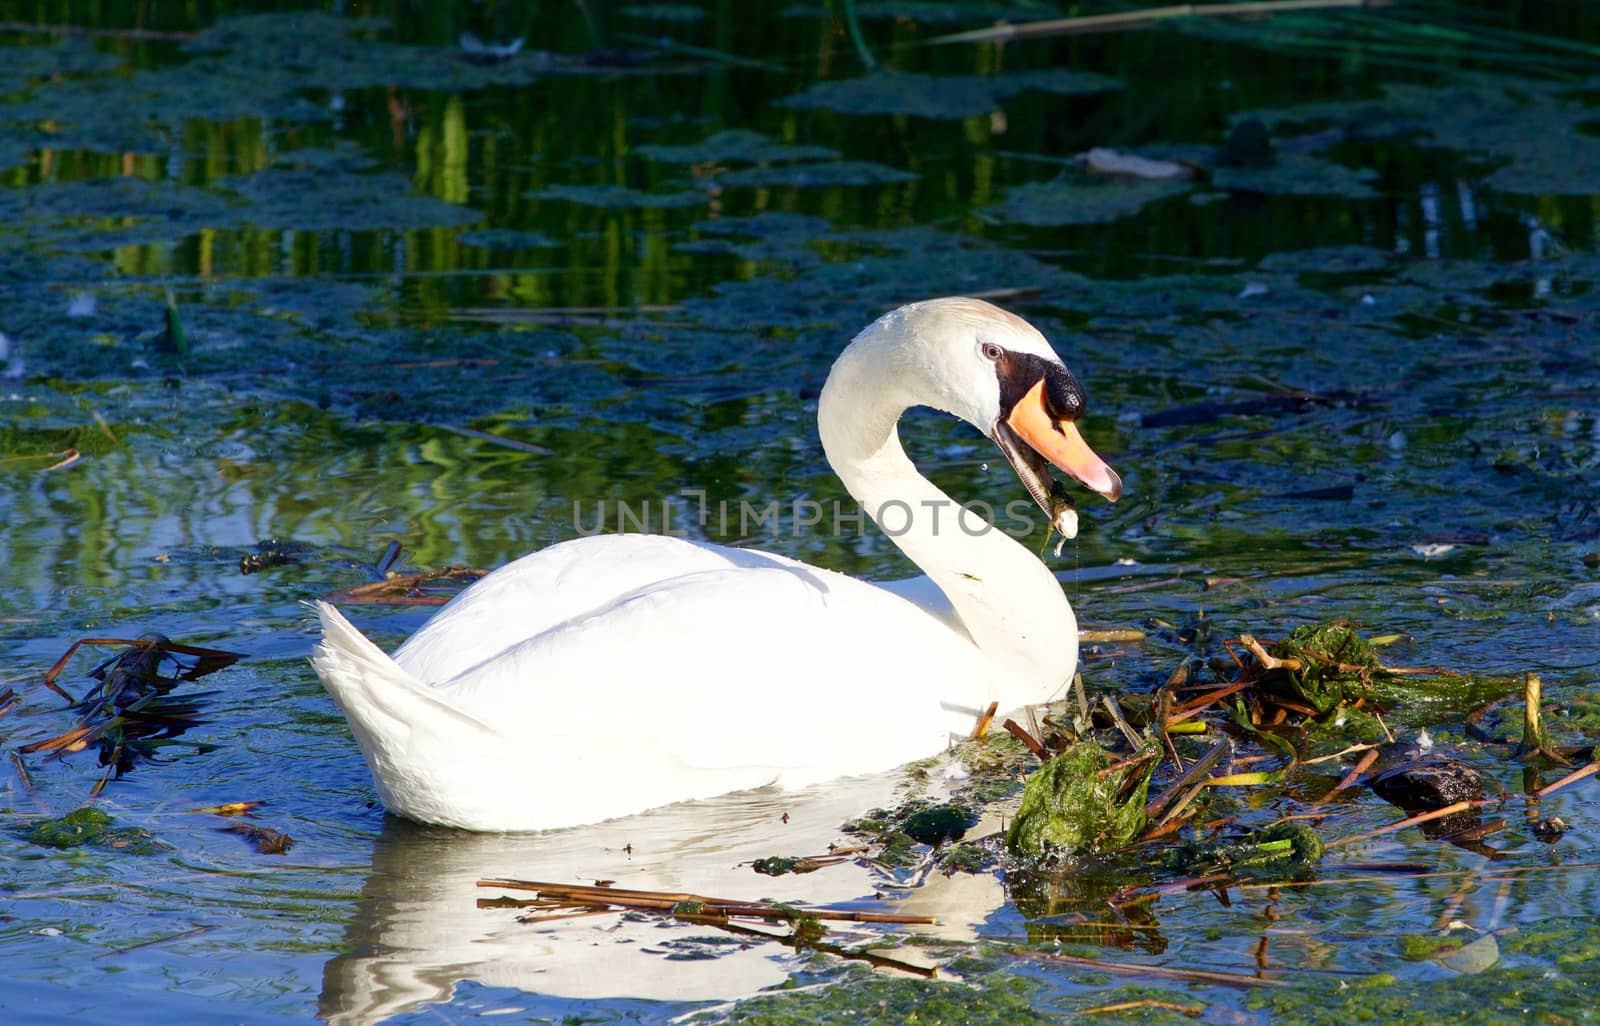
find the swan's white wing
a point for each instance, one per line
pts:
(544, 589)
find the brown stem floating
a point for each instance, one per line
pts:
(665, 901)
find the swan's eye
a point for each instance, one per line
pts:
(992, 352)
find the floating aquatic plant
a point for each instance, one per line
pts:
(736, 146)
(1081, 801)
(130, 714)
(92, 827)
(941, 96)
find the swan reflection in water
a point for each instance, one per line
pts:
(418, 931)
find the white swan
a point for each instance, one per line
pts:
(608, 675)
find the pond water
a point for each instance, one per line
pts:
(332, 277)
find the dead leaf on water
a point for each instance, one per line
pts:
(266, 840)
(1103, 161)
(228, 809)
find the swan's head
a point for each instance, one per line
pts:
(996, 371)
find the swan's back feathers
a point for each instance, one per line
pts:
(554, 586)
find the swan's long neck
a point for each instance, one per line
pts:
(1011, 604)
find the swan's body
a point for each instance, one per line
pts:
(609, 675)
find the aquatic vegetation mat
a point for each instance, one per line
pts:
(1534, 130)
(942, 97)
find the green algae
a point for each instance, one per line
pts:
(326, 51)
(941, 96)
(736, 146)
(1298, 175)
(682, 14)
(314, 197)
(1534, 128)
(775, 865)
(1498, 996)
(993, 1000)
(92, 827)
(507, 239)
(1338, 667)
(1336, 664)
(250, 66)
(815, 176)
(1280, 851)
(775, 237)
(903, 834)
(841, 295)
(948, 821)
(1419, 947)
(1068, 807)
(619, 197)
(1080, 199)
(967, 858)
(67, 57)
(104, 214)
(1351, 259)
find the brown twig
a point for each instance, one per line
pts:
(875, 960)
(1115, 711)
(665, 901)
(1351, 777)
(1020, 732)
(154, 941)
(1161, 971)
(404, 589)
(1129, 763)
(1421, 817)
(1205, 701)
(1267, 660)
(1193, 1011)
(1167, 804)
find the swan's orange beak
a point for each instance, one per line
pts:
(1058, 441)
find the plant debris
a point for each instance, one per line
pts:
(779, 865)
(1281, 851)
(564, 899)
(267, 841)
(426, 588)
(130, 714)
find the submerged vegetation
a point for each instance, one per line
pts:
(434, 280)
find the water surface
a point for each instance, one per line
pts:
(384, 256)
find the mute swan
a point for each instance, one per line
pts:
(612, 674)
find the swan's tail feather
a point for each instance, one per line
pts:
(377, 695)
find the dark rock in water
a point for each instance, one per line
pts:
(1418, 780)
(1549, 830)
